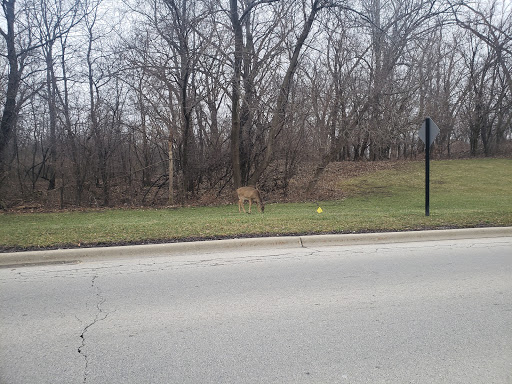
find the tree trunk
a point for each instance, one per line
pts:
(95, 128)
(235, 94)
(51, 86)
(10, 112)
(75, 155)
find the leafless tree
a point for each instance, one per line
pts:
(490, 78)
(116, 106)
(55, 20)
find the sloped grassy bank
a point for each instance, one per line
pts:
(463, 193)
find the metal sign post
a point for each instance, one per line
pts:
(428, 132)
(427, 166)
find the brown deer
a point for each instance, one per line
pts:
(251, 194)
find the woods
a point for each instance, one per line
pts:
(165, 102)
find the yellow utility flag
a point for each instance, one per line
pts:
(319, 210)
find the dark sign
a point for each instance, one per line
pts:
(428, 132)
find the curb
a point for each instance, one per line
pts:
(408, 236)
(174, 249)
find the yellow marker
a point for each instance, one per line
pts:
(319, 210)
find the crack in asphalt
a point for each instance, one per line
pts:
(99, 316)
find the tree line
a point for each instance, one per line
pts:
(156, 101)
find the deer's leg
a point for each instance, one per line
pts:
(241, 204)
(250, 204)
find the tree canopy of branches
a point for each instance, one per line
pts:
(163, 101)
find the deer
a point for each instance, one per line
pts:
(249, 194)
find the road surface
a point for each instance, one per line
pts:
(420, 312)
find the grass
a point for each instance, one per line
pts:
(463, 193)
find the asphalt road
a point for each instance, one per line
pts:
(421, 312)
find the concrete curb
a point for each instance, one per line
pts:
(173, 249)
(403, 237)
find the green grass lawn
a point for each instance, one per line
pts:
(463, 193)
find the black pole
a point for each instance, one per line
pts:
(427, 166)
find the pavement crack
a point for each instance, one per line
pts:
(99, 315)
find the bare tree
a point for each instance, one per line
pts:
(204, 94)
(493, 26)
(16, 57)
(243, 57)
(55, 22)
(279, 113)
(492, 81)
